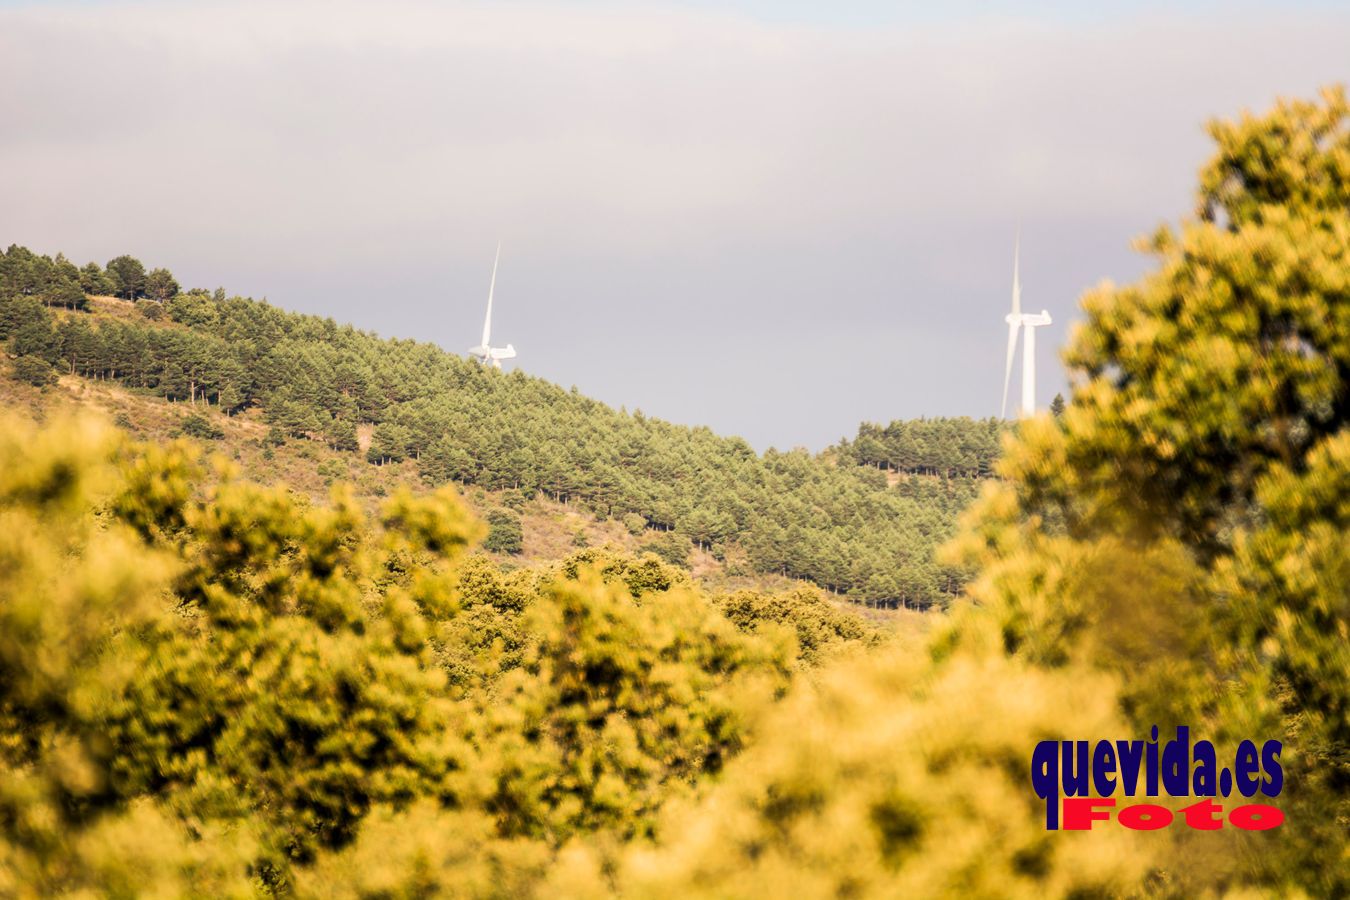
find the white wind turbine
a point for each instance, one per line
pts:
(1030, 321)
(485, 352)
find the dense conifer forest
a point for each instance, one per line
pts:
(836, 520)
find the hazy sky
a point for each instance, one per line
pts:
(774, 217)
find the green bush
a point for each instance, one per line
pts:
(504, 532)
(201, 428)
(34, 370)
(820, 628)
(671, 546)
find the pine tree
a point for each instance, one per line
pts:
(93, 281)
(160, 285)
(127, 276)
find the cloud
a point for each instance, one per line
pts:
(671, 182)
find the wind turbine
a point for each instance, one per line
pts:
(1030, 321)
(485, 352)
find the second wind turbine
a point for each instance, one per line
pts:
(485, 352)
(1030, 322)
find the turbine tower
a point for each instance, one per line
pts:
(1029, 321)
(485, 352)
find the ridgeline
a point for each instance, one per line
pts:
(861, 519)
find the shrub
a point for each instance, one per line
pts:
(34, 370)
(819, 627)
(504, 532)
(201, 428)
(896, 779)
(670, 546)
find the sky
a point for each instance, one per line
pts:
(773, 217)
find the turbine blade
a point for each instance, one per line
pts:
(492, 286)
(1007, 371)
(1017, 281)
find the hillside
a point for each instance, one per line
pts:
(313, 400)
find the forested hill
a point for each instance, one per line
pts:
(837, 519)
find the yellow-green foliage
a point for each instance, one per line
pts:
(427, 850)
(209, 684)
(896, 778)
(219, 688)
(1289, 583)
(74, 586)
(486, 635)
(617, 706)
(641, 575)
(820, 628)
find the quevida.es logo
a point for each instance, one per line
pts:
(1081, 779)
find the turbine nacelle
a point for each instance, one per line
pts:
(493, 355)
(1030, 320)
(507, 352)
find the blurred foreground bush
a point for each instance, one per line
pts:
(212, 687)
